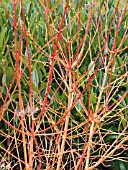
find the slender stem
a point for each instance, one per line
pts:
(19, 84)
(70, 100)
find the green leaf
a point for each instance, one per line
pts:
(39, 73)
(78, 106)
(93, 98)
(120, 61)
(111, 137)
(2, 36)
(4, 79)
(35, 78)
(28, 5)
(9, 75)
(43, 69)
(56, 3)
(43, 86)
(117, 165)
(63, 98)
(123, 121)
(24, 60)
(15, 96)
(122, 166)
(123, 101)
(92, 69)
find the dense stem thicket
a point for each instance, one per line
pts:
(63, 84)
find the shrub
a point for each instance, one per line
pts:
(63, 88)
